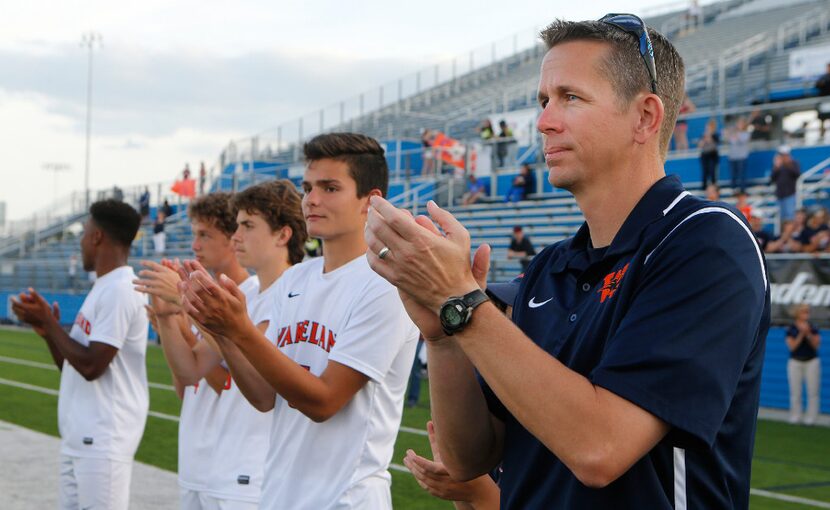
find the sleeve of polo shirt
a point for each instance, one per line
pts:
(112, 320)
(681, 348)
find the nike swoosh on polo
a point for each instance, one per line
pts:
(293, 294)
(533, 304)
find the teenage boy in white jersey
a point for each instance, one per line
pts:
(103, 400)
(212, 224)
(269, 238)
(344, 343)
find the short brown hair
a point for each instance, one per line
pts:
(214, 209)
(280, 205)
(625, 69)
(362, 154)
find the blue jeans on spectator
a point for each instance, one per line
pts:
(413, 394)
(787, 207)
(738, 169)
(514, 194)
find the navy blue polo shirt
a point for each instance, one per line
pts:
(804, 351)
(672, 316)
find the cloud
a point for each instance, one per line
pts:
(158, 93)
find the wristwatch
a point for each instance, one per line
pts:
(456, 312)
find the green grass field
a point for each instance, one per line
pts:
(789, 460)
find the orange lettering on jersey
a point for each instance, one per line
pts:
(312, 336)
(330, 342)
(228, 382)
(300, 333)
(284, 337)
(82, 323)
(611, 283)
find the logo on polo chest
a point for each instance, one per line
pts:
(610, 284)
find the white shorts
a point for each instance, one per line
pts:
(94, 483)
(197, 500)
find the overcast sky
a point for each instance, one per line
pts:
(175, 80)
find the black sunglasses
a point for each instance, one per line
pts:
(635, 26)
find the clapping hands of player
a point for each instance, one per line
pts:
(425, 265)
(31, 308)
(218, 306)
(480, 493)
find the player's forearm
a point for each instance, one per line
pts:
(253, 387)
(468, 443)
(595, 433)
(178, 353)
(63, 347)
(300, 388)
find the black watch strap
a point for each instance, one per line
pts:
(474, 298)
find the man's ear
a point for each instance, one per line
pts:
(97, 237)
(283, 235)
(650, 119)
(374, 193)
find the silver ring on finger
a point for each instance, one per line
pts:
(384, 252)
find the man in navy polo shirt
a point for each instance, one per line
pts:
(631, 378)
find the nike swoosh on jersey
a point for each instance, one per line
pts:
(292, 294)
(533, 304)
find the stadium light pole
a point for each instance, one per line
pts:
(55, 168)
(88, 40)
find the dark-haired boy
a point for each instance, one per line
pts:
(345, 346)
(103, 401)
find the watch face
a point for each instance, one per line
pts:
(451, 315)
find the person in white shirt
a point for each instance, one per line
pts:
(103, 400)
(269, 238)
(345, 344)
(212, 225)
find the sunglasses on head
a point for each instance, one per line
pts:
(635, 26)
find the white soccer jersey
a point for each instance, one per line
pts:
(105, 418)
(198, 425)
(243, 432)
(356, 318)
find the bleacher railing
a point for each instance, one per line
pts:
(812, 181)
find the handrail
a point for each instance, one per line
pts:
(801, 184)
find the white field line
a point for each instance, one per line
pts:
(47, 366)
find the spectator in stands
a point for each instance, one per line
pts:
(505, 139)
(764, 238)
(475, 190)
(609, 391)
(787, 242)
(823, 86)
(159, 236)
(167, 209)
(709, 156)
(761, 124)
(186, 171)
(799, 223)
(738, 138)
(694, 16)
(784, 176)
(713, 192)
(486, 131)
(815, 238)
(529, 176)
(203, 177)
(742, 204)
(523, 185)
(681, 128)
(429, 155)
(520, 247)
(72, 270)
(144, 204)
(803, 340)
